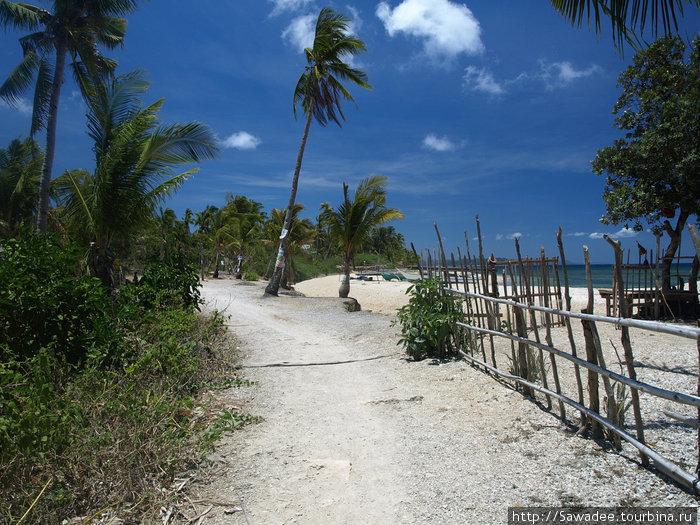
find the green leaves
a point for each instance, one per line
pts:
(626, 16)
(428, 321)
(136, 161)
(655, 165)
(319, 90)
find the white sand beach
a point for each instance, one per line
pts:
(385, 297)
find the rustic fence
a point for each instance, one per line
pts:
(519, 326)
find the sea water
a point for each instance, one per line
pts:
(602, 275)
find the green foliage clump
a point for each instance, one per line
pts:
(44, 305)
(428, 321)
(97, 390)
(252, 276)
(166, 285)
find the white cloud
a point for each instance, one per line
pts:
(432, 141)
(300, 32)
(241, 140)
(355, 21)
(22, 105)
(288, 5)
(482, 80)
(447, 29)
(509, 236)
(623, 233)
(560, 74)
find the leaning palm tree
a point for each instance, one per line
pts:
(72, 29)
(320, 92)
(135, 158)
(352, 221)
(626, 16)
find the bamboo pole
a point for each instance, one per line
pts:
(678, 397)
(629, 356)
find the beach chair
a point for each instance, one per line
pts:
(389, 276)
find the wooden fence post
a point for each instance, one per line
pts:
(629, 356)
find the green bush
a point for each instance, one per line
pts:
(252, 276)
(165, 285)
(45, 305)
(428, 321)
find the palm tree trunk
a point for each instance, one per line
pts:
(344, 289)
(274, 284)
(216, 268)
(43, 212)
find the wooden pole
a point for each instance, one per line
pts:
(591, 354)
(548, 339)
(666, 467)
(420, 268)
(567, 320)
(629, 356)
(478, 303)
(533, 322)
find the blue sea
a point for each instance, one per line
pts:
(602, 275)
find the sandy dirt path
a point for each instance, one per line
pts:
(327, 452)
(376, 439)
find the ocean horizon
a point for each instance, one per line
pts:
(602, 274)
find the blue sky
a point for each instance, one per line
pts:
(492, 108)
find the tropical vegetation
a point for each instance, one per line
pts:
(652, 171)
(134, 159)
(320, 92)
(72, 30)
(627, 18)
(20, 171)
(354, 220)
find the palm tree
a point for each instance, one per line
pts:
(625, 15)
(320, 92)
(222, 235)
(71, 29)
(20, 170)
(135, 156)
(301, 231)
(353, 220)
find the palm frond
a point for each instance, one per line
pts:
(108, 31)
(626, 17)
(74, 191)
(169, 186)
(42, 96)
(319, 90)
(178, 144)
(21, 16)
(20, 79)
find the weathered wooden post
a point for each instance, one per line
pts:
(629, 356)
